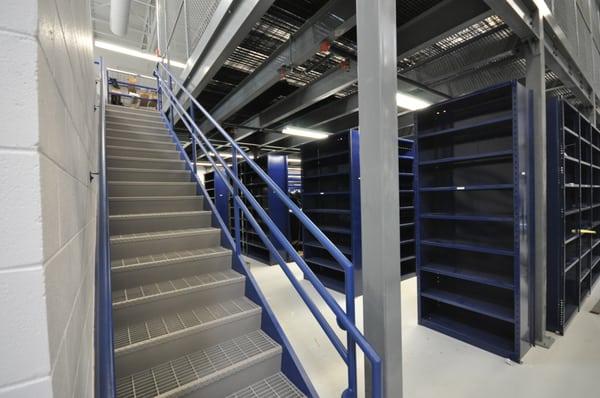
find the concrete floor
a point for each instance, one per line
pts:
(436, 365)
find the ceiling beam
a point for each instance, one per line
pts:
(442, 20)
(327, 85)
(301, 46)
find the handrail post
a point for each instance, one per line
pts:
(236, 206)
(171, 102)
(158, 90)
(194, 153)
(350, 342)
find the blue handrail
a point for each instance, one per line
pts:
(103, 331)
(234, 185)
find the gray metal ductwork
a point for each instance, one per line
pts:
(119, 16)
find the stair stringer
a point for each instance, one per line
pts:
(291, 366)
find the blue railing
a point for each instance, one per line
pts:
(104, 383)
(241, 195)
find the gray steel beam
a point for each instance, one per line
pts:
(333, 110)
(327, 85)
(442, 21)
(340, 124)
(536, 81)
(304, 44)
(439, 22)
(380, 216)
(519, 15)
(230, 24)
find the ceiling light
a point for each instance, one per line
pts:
(204, 164)
(410, 102)
(229, 156)
(290, 130)
(134, 53)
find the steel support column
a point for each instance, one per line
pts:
(536, 82)
(376, 39)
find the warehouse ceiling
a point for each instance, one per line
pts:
(141, 31)
(478, 51)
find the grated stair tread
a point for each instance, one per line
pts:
(133, 335)
(141, 236)
(276, 386)
(173, 287)
(137, 216)
(152, 198)
(199, 368)
(166, 258)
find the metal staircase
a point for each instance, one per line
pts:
(182, 323)
(178, 313)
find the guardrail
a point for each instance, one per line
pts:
(240, 195)
(104, 383)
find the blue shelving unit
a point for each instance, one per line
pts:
(473, 207)
(277, 168)
(407, 206)
(573, 207)
(331, 197)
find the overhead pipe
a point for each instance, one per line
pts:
(119, 16)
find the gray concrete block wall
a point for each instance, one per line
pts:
(48, 146)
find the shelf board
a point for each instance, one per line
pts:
(344, 249)
(473, 304)
(328, 211)
(327, 175)
(571, 158)
(571, 238)
(585, 274)
(326, 156)
(472, 275)
(325, 193)
(468, 158)
(469, 334)
(571, 211)
(335, 230)
(571, 264)
(323, 262)
(568, 130)
(466, 217)
(488, 123)
(467, 247)
(482, 187)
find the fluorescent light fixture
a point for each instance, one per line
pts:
(410, 102)
(205, 164)
(229, 156)
(130, 73)
(294, 160)
(134, 53)
(300, 132)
